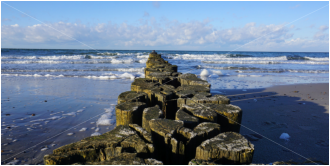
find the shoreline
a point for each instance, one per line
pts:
(265, 151)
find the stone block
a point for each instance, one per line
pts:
(132, 96)
(150, 113)
(188, 120)
(202, 113)
(129, 113)
(229, 116)
(226, 148)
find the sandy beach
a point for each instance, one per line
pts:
(302, 111)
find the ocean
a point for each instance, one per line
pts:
(53, 97)
(226, 70)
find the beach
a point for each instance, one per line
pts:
(50, 98)
(300, 110)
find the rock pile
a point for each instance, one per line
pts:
(167, 118)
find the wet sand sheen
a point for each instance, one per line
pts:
(39, 112)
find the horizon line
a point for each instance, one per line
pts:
(152, 49)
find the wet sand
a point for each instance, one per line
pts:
(302, 111)
(276, 110)
(69, 101)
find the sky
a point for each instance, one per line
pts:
(295, 26)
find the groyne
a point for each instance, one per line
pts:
(167, 118)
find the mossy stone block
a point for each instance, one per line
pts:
(132, 96)
(129, 113)
(188, 120)
(229, 116)
(204, 114)
(226, 148)
(150, 113)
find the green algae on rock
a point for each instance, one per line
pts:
(99, 148)
(129, 113)
(132, 96)
(150, 113)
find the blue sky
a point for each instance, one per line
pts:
(218, 26)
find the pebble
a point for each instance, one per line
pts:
(33, 115)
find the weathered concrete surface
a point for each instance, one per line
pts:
(188, 120)
(206, 130)
(185, 97)
(185, 92)
(143, 85)
(129, 113)
(226, 148)
(132, 96)
(142, 132)
(186, 145)
(150, 113)
(120, 140)
(166, 146)
(229, 116)
(192, 79)
(204, 114)
(201, 98)
(195, 88)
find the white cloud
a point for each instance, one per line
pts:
(323, 27)
(156, 4)
(164, 34)
(322, 34)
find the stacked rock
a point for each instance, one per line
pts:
(167, 118)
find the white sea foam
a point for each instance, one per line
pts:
(54, 117)
(143, 60)
(122, 61)
(37, 120)
(70, 134)
(318, 59)
(83, 129)
(217, 72)
(43, 149)
(127, 75)
(96, 134)
(107, 118)
(240, 75)
(143, 56)
(267, 62)
(32, 61)
(81, 110)
(70, 114)
(205, 73)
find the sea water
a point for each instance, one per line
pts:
(226, 70)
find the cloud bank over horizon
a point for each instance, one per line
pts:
(165, 34)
